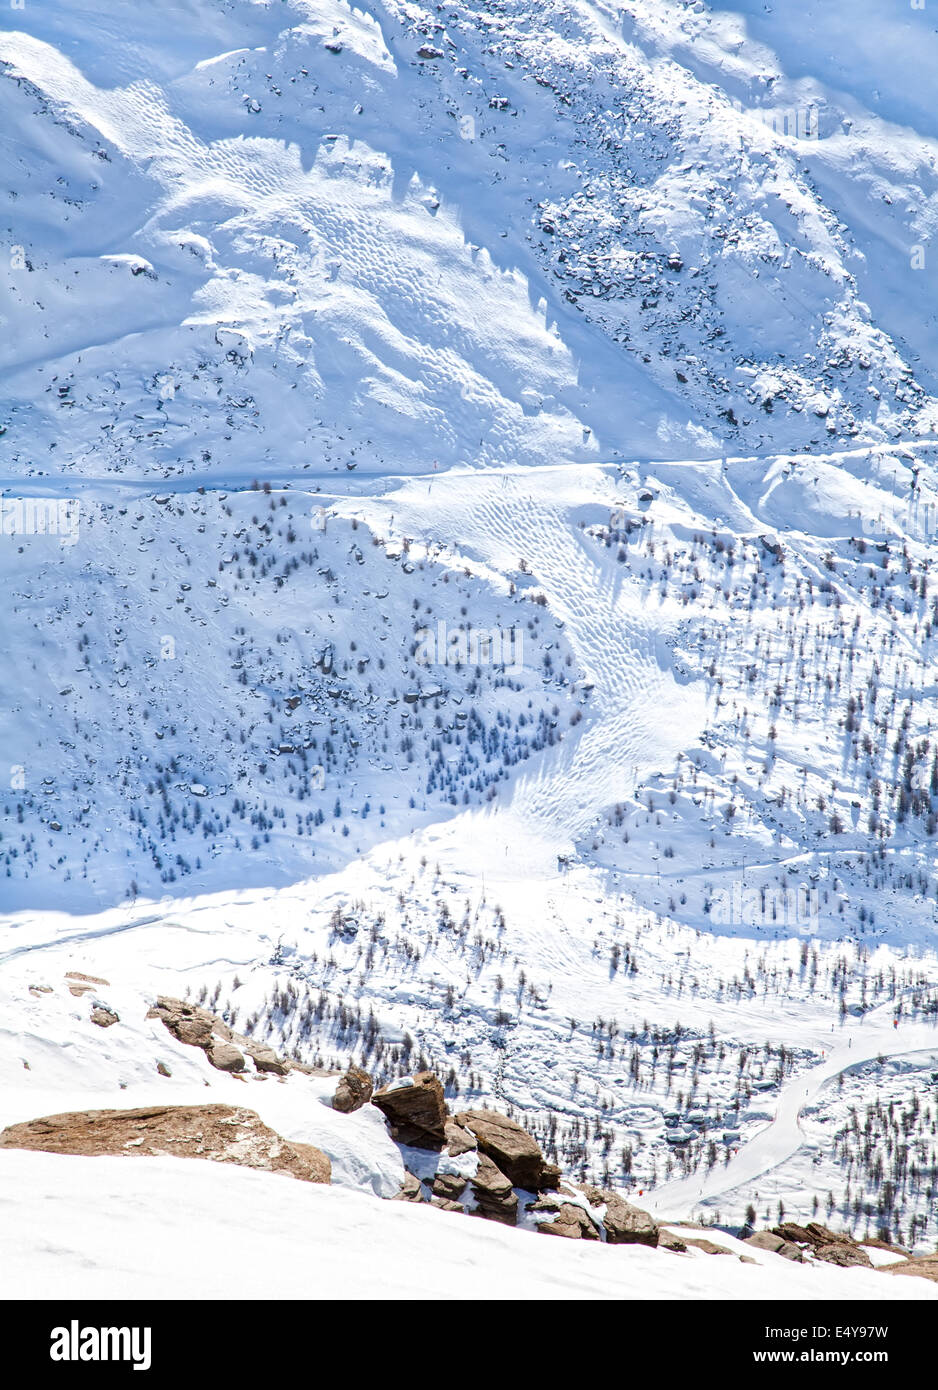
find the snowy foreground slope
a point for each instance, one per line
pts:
(337, 340)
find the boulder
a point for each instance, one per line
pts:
(265, 1058)
(415, 1108)
(354, 1090)
(188, 1023)
(768, 1240)
(623, 1223)
(510, 1147)
(668, 1241)
(224, 1056)
(219, 1133)
(103, 1016)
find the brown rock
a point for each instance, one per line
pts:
(458, 1140)
(79, 984)
(667, 1241)
(224, 1056)
(494, 1194)
(445, 1204)
(411, 1191)
(768, 1240)
(416, 1110)
(220, 1133)
(264, 1058)
(571, 1222)
(707, 1246)
(509, 1146)
(925, 1266)
(623, 1223)
(354, 1090)
(840, 1253)
(448, 1185)
(163, 1069)
(104, 1017)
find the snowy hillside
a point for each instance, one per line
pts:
(468, 493)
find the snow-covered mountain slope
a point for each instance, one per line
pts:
(468, 499)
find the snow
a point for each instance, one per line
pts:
(312, 344)
(296, 1240)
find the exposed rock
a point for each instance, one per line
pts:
(458, 1140)
(265, 1058)
(448, 1185)
(707, 1246)
(840, 1253)
(220, 1133)
(925, 1266)
(103, 1016)
(187, 1022)
(354, 1090)
(79, 984)
(416, 1109)
(411, 1191)
(623, 1223)
(571, 1222)
(224, 1056)
(445, 1204)
(163, 1069)
(511, 1148)
(768, 1240)
(667, 1241)
(494, 1194)
(813, 1234)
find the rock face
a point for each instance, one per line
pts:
(220, 1133)
(354, 1090)
(511, 1148)
(416, 1110)
(623, 1223)
(767, 1240)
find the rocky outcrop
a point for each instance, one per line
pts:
(571, 1222)
(197, 1027)
(219, 1133)
(449, 1186)
(623, 1223)
(767, 1240)
(511, 1148)
(494, 1194)
(824, 1244)
(415, 1107)
(354, 1090)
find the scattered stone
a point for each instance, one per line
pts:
(103, 1016)
(415, 1107)
(163, 1069)
(354, 1090)
(219, 1133)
